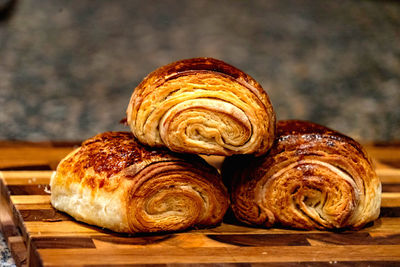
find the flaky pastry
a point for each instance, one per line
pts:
(114, 182)
(202, 106)
(312, 178)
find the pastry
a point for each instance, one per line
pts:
(114, 182)
(202, 106)
(312, 178)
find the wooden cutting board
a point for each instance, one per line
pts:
(38, 235)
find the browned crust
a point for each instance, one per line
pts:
(181, 67)
(109, 153)
(312, 131)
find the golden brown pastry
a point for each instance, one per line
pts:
(202, 106)
(312, 178)
(112, 181)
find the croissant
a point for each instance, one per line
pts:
(202, 106)
(114, 182)
(312, 178)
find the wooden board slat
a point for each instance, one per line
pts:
(389, 175)
(215, 255)
(25, 177)
(38, 235)
(17, 156)
(391, 199)
(30, 199)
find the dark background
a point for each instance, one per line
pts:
(68, 68)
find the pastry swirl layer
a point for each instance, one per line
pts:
(312, 178)
(114, 182)
(202, 106)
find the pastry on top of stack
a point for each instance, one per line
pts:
(202, 106)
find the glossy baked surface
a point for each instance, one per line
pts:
(202, 106)
(113, 181)
(312, 178)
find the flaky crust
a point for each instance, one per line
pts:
(202, 106)
(114, 182)
(312, 178)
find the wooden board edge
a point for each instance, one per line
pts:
(18, 250)
(12, 235)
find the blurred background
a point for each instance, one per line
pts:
(68, 68)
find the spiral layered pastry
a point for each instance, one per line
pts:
(202, 106)
(114, 182)
(312, 178)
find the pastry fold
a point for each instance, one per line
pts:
(312, 178)
(114, 182)
(202, 106)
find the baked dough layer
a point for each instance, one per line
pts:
(114, 182)
(312, 178)
(202, 106)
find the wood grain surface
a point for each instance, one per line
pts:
(38, 235)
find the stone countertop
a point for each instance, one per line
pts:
(5, 255)
(68, 68)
